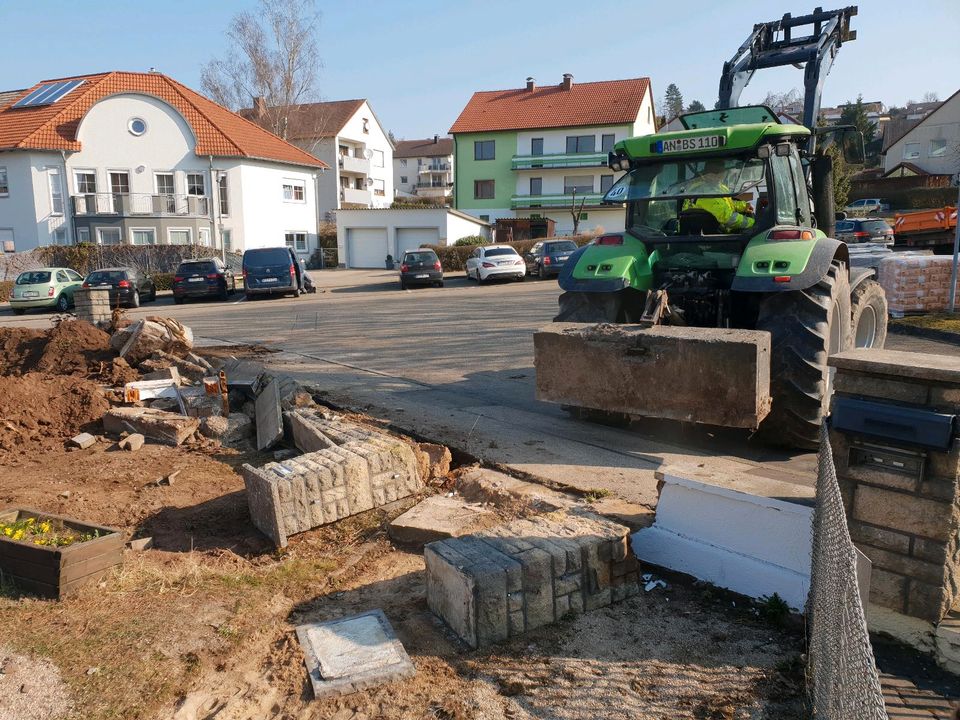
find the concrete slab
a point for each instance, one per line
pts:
(167, 427)
(244, 375)
(269, 417)
(636, 370)
(83, 441)
(921, 366)
(497, 488)
(440, 517)
(352, 653)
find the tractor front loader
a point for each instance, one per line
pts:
(726, 293)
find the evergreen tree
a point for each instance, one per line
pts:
(855, 114)
(696, 106)
(672, 101)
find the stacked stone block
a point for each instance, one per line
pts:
(906, 520)
(499, 583)
(92, 305)
(347, 469)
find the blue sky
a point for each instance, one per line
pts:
(418, 63)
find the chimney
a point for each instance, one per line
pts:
(567, 81)
(436, 139)
(531, 84)
(259, 106)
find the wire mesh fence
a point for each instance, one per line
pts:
(842, 674)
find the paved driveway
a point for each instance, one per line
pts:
(456, 364)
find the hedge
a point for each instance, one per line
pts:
(454, 258)
(163, 281)
(6, 287)
(913, 199)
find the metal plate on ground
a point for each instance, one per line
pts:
(352, 653)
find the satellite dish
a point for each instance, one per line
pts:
(368, 153)
(369, 182)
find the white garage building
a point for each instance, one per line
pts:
(366, 237)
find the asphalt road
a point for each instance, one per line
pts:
(455, 364)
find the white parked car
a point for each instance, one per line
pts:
(495, 261)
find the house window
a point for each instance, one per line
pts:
(379, 188)
(366, 125)
(179, 236)
(119, 183)
(203, 236)
(137, 126)
(581, 143)
(83, 235)
(403, 179)
(483, 189)
(606, 182)
(60, 236)
(56, 192)
(377, 158)
(484, 150)
(4, 186)
(536, 186)
(911, 151)
(164, 183)
(222, 185)
(195, 184)
(294, 191)
(578, 183)
(938, 148)
(403, 163)
(536, 146)
(225, 236)
(109, 236)
(485, 218)
(143, 236)
(86, 181)
(296, 240)
(7, 243)
(607, 142)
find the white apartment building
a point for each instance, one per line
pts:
(138, 158)
(346, 136)
(423, 168)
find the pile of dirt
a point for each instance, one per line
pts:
(74, 347)
(38, 408)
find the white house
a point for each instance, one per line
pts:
(138, 158)
(932, 144)
(347, 136)
(366, 237)
(423, 168)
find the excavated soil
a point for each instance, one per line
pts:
(73, 347)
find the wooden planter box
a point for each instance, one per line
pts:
(53, 572)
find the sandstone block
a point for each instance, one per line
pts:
(167, 427)
(879, 537)
(908, 513)
(439, 517)
(878, 386)
(888, 589)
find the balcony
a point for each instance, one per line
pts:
(434, 189)
(434, 168)
(358, 165)
(556, 201)
(566, 160)
(140, 204)
(356, 197)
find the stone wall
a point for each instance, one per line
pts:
(903, 510)
(92, 305)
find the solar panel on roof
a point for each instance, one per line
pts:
(47, 94)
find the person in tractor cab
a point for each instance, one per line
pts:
(732, 215)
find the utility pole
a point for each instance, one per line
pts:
(956, 255)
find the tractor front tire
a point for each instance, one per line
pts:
(868, 316)
(805, 326)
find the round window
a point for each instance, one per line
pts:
(137, 126)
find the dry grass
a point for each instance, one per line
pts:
(944, 322)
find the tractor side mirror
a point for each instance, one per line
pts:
(846, 138)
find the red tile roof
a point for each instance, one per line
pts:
(612, 102)
(424, 148)
(218, 131)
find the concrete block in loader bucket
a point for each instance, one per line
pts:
(713, 376)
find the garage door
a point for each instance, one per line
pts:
(412, 238)
(366, 247)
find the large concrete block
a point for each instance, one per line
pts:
(712, 376)
(503, 581)
(167, 427)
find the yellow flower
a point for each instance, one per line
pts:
(18, 535)
(8, 531)
(45, 526)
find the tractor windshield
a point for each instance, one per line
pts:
(714, 196)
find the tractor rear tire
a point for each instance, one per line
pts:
(805, 326)
(868, 319)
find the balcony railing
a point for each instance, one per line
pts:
(434, 184)
(354, 164)
(356, 197)
(566, 160)
(555, 201)
(435, 168)
(143, 204)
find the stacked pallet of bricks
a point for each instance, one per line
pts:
(499, 583)
(92, 305)
(916, 283)
(346, 469)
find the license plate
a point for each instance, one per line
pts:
(505, 262)
(707, 142)
(102, 287)
(420, 277)
(269, 280)
(194, 279)
(563, 259)
(31, 293)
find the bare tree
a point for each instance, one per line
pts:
(779, 101)
(931, 97)
(576, 212)
(273, 62)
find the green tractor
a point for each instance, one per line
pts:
(728, 225)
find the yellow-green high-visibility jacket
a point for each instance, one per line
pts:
(730, 213)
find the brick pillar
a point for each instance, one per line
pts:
(92, 305)
(902, 502)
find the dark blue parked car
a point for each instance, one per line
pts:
(547, 257)
(272, 271)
